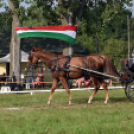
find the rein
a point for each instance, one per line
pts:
(57, 65)
(66, 69)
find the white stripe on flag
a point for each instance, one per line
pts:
(68, 32)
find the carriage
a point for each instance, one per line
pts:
(127, 67)
(65, 67)
(99, 67)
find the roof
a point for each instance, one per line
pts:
(24, 57)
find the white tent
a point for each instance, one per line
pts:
(24, 57)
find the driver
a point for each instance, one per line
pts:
(129, 68)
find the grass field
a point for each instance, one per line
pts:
(31, 115)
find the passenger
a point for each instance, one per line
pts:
(132, 68)
(127, 64)
(129, 69)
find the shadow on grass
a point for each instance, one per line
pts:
(80, 100)
(100, 99)
(85, 100)
(120, 99)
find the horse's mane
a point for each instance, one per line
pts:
(39, 49)
(34, 49)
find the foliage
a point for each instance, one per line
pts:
(41, 13)
(5, 32)
(5, 36)
(6, 18)
(106, 20)
(1, 3)
(109, 22)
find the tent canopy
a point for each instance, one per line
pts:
(24, 57)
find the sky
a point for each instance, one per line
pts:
(131, 9)
(2, 9)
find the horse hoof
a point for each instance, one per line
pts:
(48, 103)
(89, 102)
(105, 102)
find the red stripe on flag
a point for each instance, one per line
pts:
(49, 28)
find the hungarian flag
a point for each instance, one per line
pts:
(65, 33)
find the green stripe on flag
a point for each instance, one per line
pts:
(60, 36)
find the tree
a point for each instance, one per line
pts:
(18, 14)
(41, 13)
(70, 12)
(110, 16)
(44, 13)
(15, 41)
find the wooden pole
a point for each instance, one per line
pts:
(128, 31)
(96, 36)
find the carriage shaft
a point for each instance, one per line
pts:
(96, 72)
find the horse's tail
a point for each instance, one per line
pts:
(109, 67)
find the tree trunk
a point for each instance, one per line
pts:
(69, 19)
(15, 44)
(79, 12)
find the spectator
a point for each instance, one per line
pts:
(87, 81)
(38, 82)
(84, 81)
(79, 81)
(38, 79)
(3, 79)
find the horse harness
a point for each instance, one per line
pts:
(66, 69)
(58, 68)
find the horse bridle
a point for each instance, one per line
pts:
(31, 59)
(36, 65)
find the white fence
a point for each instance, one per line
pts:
(57, 90)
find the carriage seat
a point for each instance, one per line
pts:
(129, 73)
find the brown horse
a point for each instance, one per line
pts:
(61, 71)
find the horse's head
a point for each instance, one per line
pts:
(33, 59)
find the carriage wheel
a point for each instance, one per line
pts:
(130, 91)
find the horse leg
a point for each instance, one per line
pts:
(54, 85)
(65, 84)
(104, 85)
(96, 87)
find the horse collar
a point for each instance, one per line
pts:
(57, 64)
